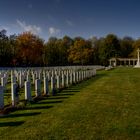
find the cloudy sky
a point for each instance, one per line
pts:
(84, 18)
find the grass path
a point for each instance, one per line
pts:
(106, 107)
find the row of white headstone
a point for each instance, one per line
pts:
(57, 79)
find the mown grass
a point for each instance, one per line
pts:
(106, 107)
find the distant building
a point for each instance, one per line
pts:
(122, 62)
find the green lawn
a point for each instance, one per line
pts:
(106, 107)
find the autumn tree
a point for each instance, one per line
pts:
(30, 49)
(80, 52)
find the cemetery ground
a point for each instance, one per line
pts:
(105, 107)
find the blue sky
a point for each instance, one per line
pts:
(84, 18)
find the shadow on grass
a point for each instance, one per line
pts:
(20, 115)
(65, 91)
(67, 94)
(37, 107)
(49, 102)
(4, 124)
(57, 97)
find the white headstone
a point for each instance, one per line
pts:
(14, 92)
(28, 78)
(13, 79)
(37, 87)
(67, 79)
(34, 77)
(71, 78)
(63, 81)
(3, 81)
(28, 96)
(46, 86)
(58, 81)
(53, 85)
(21, 80)
(74, 77)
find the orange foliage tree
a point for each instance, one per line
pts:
(30, 49)
(80, 52)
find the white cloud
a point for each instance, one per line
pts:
(4, 27)
(32, 28)
(54, 31)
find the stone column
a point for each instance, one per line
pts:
(138, 60)
(28, 96)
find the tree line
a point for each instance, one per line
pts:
(27, 49)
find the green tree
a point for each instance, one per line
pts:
(109, 47)
(56, 51)
(51, 52)
(13, 48)
(126, 46)
(5, 50)
(95, 43)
